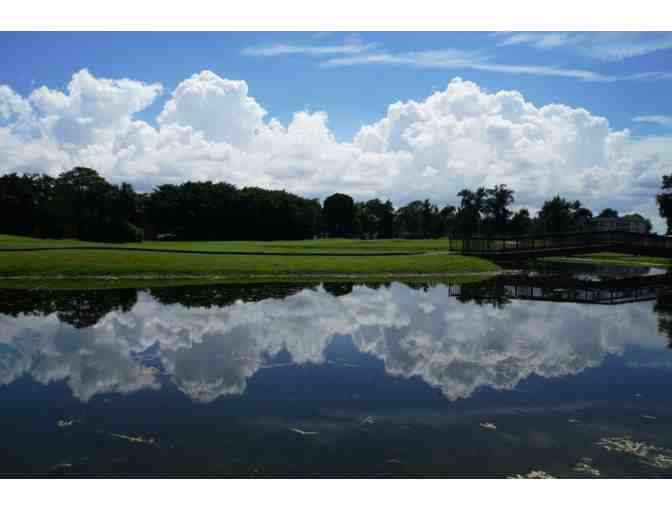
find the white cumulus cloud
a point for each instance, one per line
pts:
(213, 128)
(209, 352)
(93, 110)
(220, 108)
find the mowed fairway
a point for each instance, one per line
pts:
(283, 258)
(306, 246)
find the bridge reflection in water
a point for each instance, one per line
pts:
(500, 289)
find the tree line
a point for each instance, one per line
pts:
(82, 204)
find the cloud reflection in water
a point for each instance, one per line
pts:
(208, 352)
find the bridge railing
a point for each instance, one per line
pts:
(597, 239)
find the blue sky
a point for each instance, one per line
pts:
(352, 95)
(131, 78)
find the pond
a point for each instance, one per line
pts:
(335, 380)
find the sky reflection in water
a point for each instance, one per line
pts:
(336, 350)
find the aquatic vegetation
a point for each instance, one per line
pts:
(584, 466)
(149, 370)
(650, 455)
(134, 439)
(417, 332)
(304, 432)
(61, 467)
(532, 475)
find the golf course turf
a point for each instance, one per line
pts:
(339, 258)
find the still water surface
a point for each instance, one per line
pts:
(332, 380)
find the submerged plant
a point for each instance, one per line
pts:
(532, 475)
(650, 455)
(134, 439)
(584, 466)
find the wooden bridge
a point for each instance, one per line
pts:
(565, 244)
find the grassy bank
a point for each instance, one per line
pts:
(307, 246)
(111, 283)
(80, 262)
(615, 259)
(309, 260)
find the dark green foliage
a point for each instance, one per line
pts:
(521, 223)
(560, 215)
(420, 220)
(78, 203)
(664, 201)
(496, 208)
(663, 309)
(339, 215)
(469, 214)
(374, 219)
(484, 211)
(26, 204)
(608, 213)
(219, 211)
(81, 204)
(639, 217)
(112, 232)
(80, 309)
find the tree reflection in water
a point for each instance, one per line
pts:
(79, 308)
(209, 341)
(663, 308)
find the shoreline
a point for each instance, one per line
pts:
(215, 276)
(56, 282)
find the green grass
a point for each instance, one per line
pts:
(80, 262)
(306, 246)
(616, 259)
(108, 283)
(313, 260)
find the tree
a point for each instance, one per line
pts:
(608, 213)
(663, 309)
(560, 215)
(410, 220)
(521, 223)
(664, 201)
(374, 219)
(339, 215)
(497, 212)
(639, 217)
(448, 217)
(27, 201)
(90, 208)
(472, 206)
(385, 215)
(420, 219)
(581, 216)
